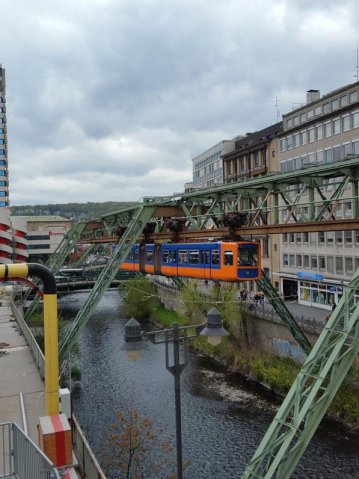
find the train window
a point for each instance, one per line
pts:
(247, 255)
(206, 257)
(228, 258)
(149, 256)
(174, 256)
(193, 256)
(215, 256)
(165, 257)
(183, 256)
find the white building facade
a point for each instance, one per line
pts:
(314, 267)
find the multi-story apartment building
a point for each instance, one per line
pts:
(208, 168)
(255, 155)
(4, 190)
(12, 241)
(315, 266)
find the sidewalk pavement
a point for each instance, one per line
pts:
(18, 374)
(308, 312)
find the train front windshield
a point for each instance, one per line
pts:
(248, 255)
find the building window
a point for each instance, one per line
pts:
(296, 121)
(319, 132)
(296, 140)
(282, 144)
(289, 142)
(339, 237)
(303, 118)
(330, 264)
(285, 259)
(339, 264)
(321, 237)
(355, 119)
(348, 265)
(336, 126)
(355, 147)
(2, 152)
(2, 131)
(291, 260)
(326, 108)
(321, 262)
(327, 129)
(314, 262)
(353, 96)
(311, 135)
(305, 237)
(328, 155)
(344, 100)
(345, 149)
(289, 123)
(303, 137)
(337, 153)
(2, 173)
(318, 110)
(335, 105)
(346, 123)
(299, 260)
(320, 156)
(306, 261)
(285, 237)
(348, 237)
(310, 114)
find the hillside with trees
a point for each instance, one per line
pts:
(71, 210)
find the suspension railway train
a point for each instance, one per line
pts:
(221, 261)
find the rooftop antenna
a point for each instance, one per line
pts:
(277, 108)
(356, 75)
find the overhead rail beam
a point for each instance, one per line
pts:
(306, 200)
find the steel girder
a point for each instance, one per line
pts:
(285, 315)
(56, 260)
(136, 221)
(301, 196)
(312, 392)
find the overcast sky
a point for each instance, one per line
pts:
(111, 99)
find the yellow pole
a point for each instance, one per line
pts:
(51, 355)
(22, 270)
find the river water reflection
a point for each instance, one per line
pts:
(223, 419)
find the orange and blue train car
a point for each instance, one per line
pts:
(220, 261)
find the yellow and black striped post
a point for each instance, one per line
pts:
(18, 270)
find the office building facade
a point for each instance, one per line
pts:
(315, 266)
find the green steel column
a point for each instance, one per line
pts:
(312, 392)
(285, 315)
(140, 217)
(311, 203)
(355, 198)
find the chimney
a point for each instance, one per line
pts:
(312, 95)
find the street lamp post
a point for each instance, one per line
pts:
(212, 328)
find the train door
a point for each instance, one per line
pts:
(157, 258)
(206, 261)
(142, 257)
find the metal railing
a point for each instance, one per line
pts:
(29, 337)
(88, 465)
(20, 457)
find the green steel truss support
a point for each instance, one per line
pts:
(286, 316)
(312, 392)
(271, 200)
(56, 260)
(135, 224)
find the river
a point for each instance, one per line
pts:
(223, 417)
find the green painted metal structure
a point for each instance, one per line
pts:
(138, 218)
(312, 392)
